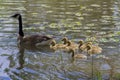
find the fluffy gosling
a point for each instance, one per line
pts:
(83, 46)
(93, 49)
(78, 56)
(65, 40)
(71, 45)
(55, 46)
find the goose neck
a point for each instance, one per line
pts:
(20, 26)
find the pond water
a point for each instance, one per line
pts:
(97, 20)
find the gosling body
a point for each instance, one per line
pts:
(55, 46)
(78, 55)
(92, 49)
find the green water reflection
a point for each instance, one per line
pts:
(76, 19)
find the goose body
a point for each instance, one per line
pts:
(33, 40)
(36, 40)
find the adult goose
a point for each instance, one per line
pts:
(32, 40)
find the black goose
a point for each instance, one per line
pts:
(33, 40)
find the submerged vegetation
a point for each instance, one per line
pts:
(63, 65)
(95, 21)
(65, 27)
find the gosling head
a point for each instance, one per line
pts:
(53, 43)
(16, 16)
(65, 40)
(80, 43)
(89, 43)
(89, 47)
(72, 51)
(69, 43)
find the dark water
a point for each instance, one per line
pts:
(76, 19)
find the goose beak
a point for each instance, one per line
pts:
(12, 16)
(15, 16)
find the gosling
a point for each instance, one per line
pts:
(93, 49)
(78, 56)
(55, 46)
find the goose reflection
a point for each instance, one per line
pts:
(22, 48)
(21, 60)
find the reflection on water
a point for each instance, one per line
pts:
(76, 19)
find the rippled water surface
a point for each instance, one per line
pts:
(97, 20)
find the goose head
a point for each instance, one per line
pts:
(16, 16)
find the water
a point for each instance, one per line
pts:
(76, 19)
